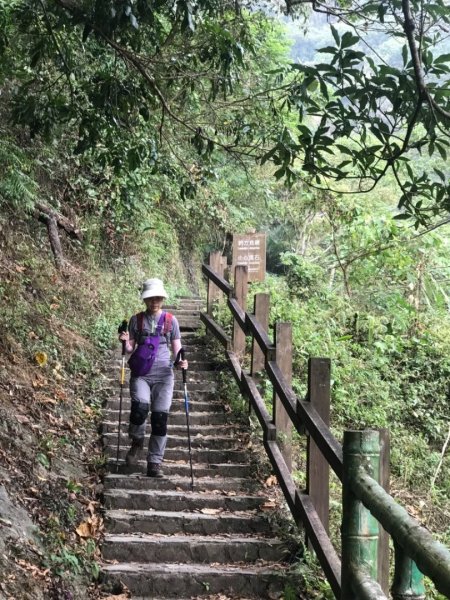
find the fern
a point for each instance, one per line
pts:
(17, 186)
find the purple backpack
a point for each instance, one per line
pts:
(142, 359)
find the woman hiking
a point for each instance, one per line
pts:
(152, 334)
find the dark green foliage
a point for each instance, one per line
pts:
(304, 279)
(145, 86)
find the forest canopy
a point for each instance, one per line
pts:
(179, 87)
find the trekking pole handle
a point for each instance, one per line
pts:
(122, 328)
(180, 356)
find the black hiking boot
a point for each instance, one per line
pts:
(154, 470)
(132, 456)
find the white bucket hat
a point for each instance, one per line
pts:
(152, 288)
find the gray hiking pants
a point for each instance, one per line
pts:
(152, 392)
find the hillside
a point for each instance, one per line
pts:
(55, 335)
(132, 143)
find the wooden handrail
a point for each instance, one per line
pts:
(218, 332)
(257, 403)
(302, 413)
(221, 283)
(238, 314)
(263, 340)
(432, 557)
(320, 541)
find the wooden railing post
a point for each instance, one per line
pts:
(215, 262)
(318, 469)
(240, 293)
(359, 527)
(408, 580)
(383, 544)
(224, 267)
(283, 424)
(261, 309)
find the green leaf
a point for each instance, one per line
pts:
(344, 149)
(439, 173)
(86, 31)
(349, 39)
(335, 33)
(280, 173)
(442, 58)
(405, 55)
(442, 151)
(382, 10)
(328, 50)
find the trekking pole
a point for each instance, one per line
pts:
(122, 328)
(186, 407)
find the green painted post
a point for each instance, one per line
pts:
(408, 580)
(359, 529)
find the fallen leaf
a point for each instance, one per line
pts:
(211, 511)
(39, 381)
(47, 400)
(268, 505)
(85, 529)
(271, 480)
(22, 419)
(41, 358)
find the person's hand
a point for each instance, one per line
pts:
(124, 336)
(182, 364)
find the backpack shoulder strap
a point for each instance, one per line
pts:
(140, 321)
(160, 325)
(168, 323)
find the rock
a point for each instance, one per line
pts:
(14, 521)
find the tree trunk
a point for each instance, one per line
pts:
(55, 242)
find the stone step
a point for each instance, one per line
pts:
(112, 406)
(178, 393)
(179, 441)
(192, 549)
(171, 540)
(195, 356)
(194, 352)
(195, 376)
(188, 325)
(191, 311)
(202, 403)
(174, 580)
(139, 481)
(199, 455)
(192, 386)
(181, 301)
(180, 500)
(178, 405)
(172, 468)
(173, 522)
(205, 431)
(178, 417)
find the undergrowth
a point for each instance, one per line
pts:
(58, 328)
(388, 371)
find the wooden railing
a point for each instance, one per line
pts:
(361, 463)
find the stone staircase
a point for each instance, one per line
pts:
(165, 540)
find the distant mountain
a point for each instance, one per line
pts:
(314, 33)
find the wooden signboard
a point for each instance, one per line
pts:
(250, 250)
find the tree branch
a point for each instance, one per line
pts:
(422, 89)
